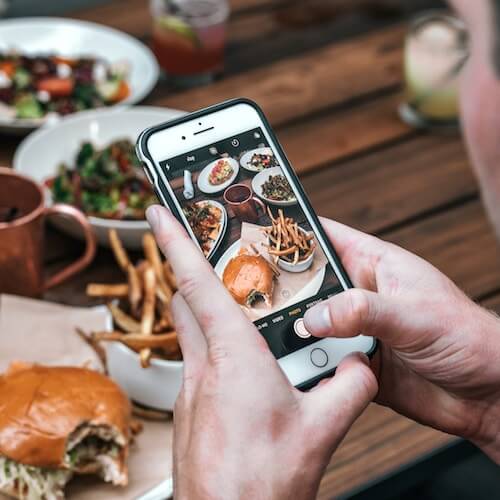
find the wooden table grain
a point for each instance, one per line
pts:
(331, 90)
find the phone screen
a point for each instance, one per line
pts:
(249, 223)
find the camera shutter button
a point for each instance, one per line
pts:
(300, 329)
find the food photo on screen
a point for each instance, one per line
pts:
(249, 224)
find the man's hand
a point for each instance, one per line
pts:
(241, 429)
(439, 359)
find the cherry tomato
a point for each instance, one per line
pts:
(8, 67)
(57, 87)
(122, 93)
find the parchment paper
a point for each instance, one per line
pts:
(42, 332)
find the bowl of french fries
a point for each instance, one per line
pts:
(290, 246)
(141, 348)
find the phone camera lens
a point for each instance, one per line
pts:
(183, 137)
(199, 123)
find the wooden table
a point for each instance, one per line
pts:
(331, 90)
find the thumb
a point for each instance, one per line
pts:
(355, 312)
(337, 403)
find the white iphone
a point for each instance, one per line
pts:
(224, 175)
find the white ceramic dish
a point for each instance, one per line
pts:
(223, 227)
(301, 266)
(246, 158)
(39, 155)
(312, 288)
(156, 387)
(69, 37)
(261, 178)
(207, 188)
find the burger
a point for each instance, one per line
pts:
(249, 278)
(57, 422)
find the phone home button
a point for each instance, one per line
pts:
(319, 358)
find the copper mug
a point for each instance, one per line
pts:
(22, 227)
(244, 204)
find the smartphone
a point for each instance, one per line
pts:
(225, 177)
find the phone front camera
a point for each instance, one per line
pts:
(183, 137)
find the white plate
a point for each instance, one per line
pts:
(69, 37)
(39, 155)
(223, 228)
(206, 187)
(261, 178)
(312, 288)
(245, 159)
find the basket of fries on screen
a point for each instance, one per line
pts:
(142, 351)
(290, 246)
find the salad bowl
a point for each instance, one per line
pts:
(40, 155)
(67, 40)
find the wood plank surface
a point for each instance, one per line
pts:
(378, 451)
(393, 185)
(330, 137)
(135, 19)
(299, 86)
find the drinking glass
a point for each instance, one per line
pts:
(189, 38)
(436, 50)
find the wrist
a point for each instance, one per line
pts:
(488, 439)
(487, 406)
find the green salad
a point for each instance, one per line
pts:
(106, 183)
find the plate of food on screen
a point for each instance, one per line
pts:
(273, 187)
(257, 283)
(258, 160)
(249, 277)
(218, 175)
(208, 220)
(291, 247)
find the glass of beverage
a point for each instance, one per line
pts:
(436, 50)
(189, 38)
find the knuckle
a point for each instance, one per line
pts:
(218, 354)
(358, 307)
(367, 382)
(188, 283)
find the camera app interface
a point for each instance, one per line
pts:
(246, 218)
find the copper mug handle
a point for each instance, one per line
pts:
(260, 203)
(90, 244)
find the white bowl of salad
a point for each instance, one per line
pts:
(88, 160)
(52, 67)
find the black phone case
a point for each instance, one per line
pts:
(142, 147)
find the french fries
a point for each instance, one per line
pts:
(138, 341)
(101, 290)
(142, 317)
(287, 240)
(119, 251)
(123, 320)
(148, 305)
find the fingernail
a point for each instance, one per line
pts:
(153, 217)
(317, 320)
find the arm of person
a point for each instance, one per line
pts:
(240, 429)
(439, 356)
